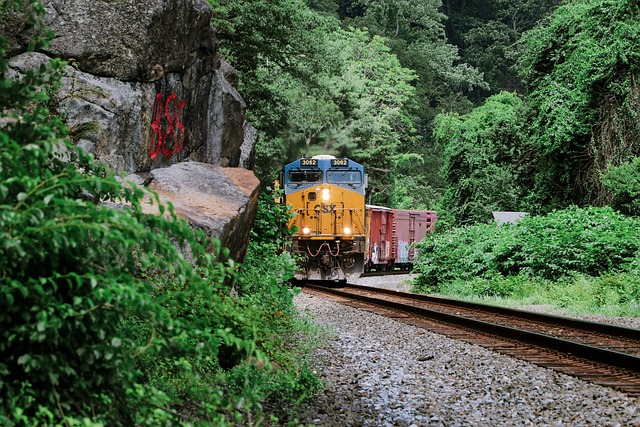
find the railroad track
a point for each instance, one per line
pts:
(384, 273)
(603, 354)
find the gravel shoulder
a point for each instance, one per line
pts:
(381, 372)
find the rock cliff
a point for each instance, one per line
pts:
(146, 92)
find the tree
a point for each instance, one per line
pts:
(623, 182)
(481, 151)
(487, 33)
(357, 108)
(317, 88)
(329, 7)
(580, 68)
(415, 29)
(278, 50)
(415, 33)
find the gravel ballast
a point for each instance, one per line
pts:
(381, 372)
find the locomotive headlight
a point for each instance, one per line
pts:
(346, 230)
(306, 230)
(326, 195)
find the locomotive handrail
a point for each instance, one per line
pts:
(313, 212)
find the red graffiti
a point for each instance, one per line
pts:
(167, 130)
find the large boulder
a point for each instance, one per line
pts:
(146, 92)
(131, 40)
(220, 201)
(149, 75)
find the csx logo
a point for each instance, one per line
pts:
(325, 208)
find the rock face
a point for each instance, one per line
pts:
(145, 91)
(131, 40)
(213, 199)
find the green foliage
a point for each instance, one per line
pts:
(103, 320)
(278, 49)
(580, 70)
(582, 260)
(270, 226)
(513, 287)
(615, 294)
(624, 183)
(367, 87)
(330, 91)
(459, 254)
(410, 190)
(590, 241)
(263, 285)
(480, 151)
(329, 7)
(93, 296)
(267, 268)
(487, 33)
(373, 91)
(414, 31)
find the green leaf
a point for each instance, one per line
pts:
(24, 359)
(53, 377)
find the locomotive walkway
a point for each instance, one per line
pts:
(603, 354)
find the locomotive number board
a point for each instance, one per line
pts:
(339, 162)
(309, 162)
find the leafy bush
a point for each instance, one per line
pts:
(591, 241)
(580, 68)
(103, 321)
(267, 298)
(92, 295)
(624, 183)
(464, 253)
(478, 168)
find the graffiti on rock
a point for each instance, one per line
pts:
(167, 129)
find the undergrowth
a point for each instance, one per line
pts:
(104, 318)
(577, 259)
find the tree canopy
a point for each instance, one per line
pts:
(361, 79)
(579, 115)
(479, 169)
(580, 67)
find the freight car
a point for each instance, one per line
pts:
(327, 196)
(391, 234)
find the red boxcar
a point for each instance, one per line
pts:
(379, 254)
(410, 226)
(390, 234)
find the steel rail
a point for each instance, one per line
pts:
(613, 330)
(588, 352)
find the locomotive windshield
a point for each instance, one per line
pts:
(305, 175)
(344, 177)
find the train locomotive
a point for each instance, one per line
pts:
(328, 197)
